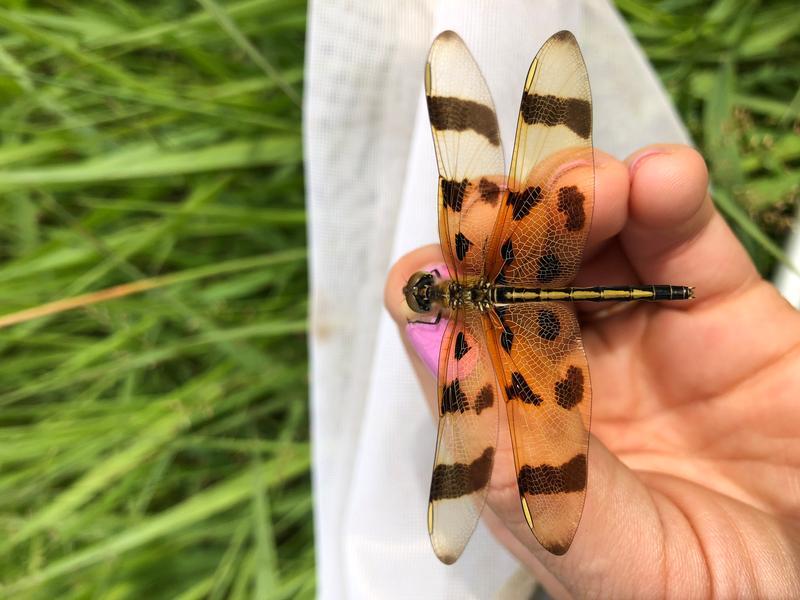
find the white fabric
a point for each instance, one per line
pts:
(371, 188)
(787, 278)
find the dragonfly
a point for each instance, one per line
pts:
(512, 245)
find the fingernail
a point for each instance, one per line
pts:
(641, 158)
(426, 339)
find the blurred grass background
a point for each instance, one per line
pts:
(156, 445)
(732, 68)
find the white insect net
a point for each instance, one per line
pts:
(371, 189)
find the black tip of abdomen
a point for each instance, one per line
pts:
(672, 292)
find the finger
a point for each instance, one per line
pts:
(542, 576)
(604, 262)
(619, 539)
(421, 341)
(674, 235)
(405, 267)
(610, 266)
(610, 202)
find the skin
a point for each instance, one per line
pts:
(694, 459)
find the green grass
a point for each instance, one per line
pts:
(733, 69)
(154, 445)
(153, 297)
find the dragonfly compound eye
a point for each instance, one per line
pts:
(418, 292)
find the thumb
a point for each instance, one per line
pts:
(620, 537)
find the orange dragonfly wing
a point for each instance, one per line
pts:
(467, 435)
(538, 241)
(545, 381)
(466, 138)
(542, 225)
(470, 159)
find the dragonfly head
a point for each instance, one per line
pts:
(418, 291)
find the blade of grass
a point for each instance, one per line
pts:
(200, 507)
(247, 47)
(152, 283)
(734, 212)
(221, 157)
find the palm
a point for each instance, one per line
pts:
(701, 405)
(667, 400)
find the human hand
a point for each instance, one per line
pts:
(694, 459)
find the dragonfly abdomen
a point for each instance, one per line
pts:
(623, 293)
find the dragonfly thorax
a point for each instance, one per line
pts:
(477, 295)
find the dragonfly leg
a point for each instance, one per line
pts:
(434, 322)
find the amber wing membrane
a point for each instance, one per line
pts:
(465, 447)
(538, 241)
(468, 152)
(541, 228)
(545, 381)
